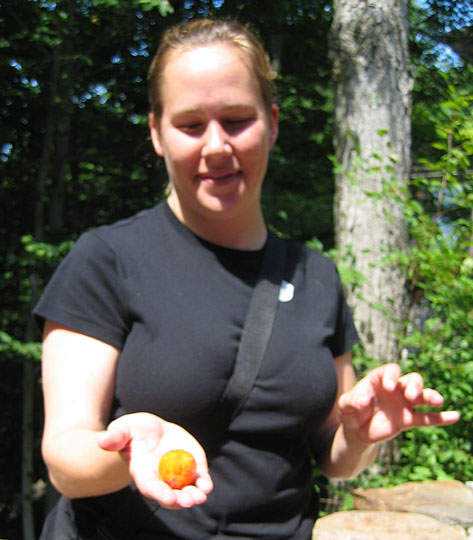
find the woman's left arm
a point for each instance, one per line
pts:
(376, 409)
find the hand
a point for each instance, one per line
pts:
(382, 405)
(142, 439)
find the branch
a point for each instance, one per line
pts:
(426, 174)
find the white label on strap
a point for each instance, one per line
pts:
(286, 292)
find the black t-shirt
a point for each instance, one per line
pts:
(175, 305)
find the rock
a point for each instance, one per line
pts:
(448, 501)
(380, 525)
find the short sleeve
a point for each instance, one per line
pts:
(86, 293)
(345, 335)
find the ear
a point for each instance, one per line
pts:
(273, 124)
(155, 135)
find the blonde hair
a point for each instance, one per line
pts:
(202, 32)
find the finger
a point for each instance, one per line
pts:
(390, 375)
(432, 397)
(360, 397)
(416, 395)
(412, 384)
(185, 498)
(357, 405)
(428, 397)
(176, 499)
(443, 418)
(202, 476)
(204, 483)
(156, 489)
(182, 503)
(385, 376)
(191, 495)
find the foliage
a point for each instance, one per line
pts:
(299, 188)
(440, 272)
(11, 348)
(434, 29)
(74, 154)
(438, 338)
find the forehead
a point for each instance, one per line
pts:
(209, 71)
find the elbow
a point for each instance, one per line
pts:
(53, 465)
(57, 481)
(60, 487)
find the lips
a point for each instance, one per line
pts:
(220, 177)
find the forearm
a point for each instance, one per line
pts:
(78, 467)
(344, 456)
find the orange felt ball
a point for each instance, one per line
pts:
(177, 468)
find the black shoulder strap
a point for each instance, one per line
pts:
(258, 326)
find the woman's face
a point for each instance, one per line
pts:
(214, 133)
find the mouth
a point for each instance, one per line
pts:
(220, 177)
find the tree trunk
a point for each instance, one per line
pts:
(372, 84)
(29, 377)
(29, 371)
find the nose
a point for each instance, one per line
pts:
(216, 141)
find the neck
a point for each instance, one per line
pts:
(245, 232)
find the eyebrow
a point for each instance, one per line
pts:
(231, 107)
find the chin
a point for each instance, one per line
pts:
(222, 205)
(220, 211)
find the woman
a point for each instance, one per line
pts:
(143, 320)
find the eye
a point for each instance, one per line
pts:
(238, 123)
(190, 127)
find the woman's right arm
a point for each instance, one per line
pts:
(85, 457)
(78, 378)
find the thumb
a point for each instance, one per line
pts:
(114, 439)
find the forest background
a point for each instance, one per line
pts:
(75, 153)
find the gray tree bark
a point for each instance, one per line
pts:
(372, 85)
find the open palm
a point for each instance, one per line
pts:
(142, 439)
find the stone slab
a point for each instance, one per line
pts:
(448, 501)
(382, 525)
